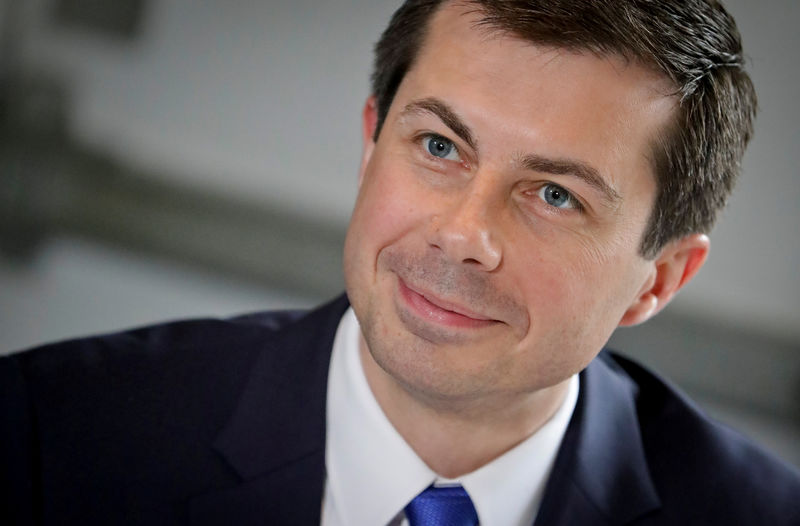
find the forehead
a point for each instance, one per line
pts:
(571, 103)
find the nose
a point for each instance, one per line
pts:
(465, 234)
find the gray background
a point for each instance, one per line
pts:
(176, 158)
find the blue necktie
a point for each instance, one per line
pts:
(446, 506)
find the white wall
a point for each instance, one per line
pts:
(76, 287)
(751, 278)
(262, 99)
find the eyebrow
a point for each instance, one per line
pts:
(579, 169)
(446, 114)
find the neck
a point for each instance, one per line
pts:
(457, 436)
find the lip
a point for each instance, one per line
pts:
(439, 311)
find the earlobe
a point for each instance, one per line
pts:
(369, 121)
(677, 264)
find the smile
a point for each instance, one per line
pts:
(440, 312)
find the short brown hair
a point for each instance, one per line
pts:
(695, 43)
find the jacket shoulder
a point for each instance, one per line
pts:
(174, 335)
(128, 413)
(186, 358)
(703, 470)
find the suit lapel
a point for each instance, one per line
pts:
(275, 438)
(600, 475)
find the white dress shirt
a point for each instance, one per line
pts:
(372, 473)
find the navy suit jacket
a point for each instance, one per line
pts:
(223, 422)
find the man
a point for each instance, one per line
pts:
(534, 175)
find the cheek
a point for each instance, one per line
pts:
(388, 207)
(577, 287)
(569, 319)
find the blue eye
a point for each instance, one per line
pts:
(556, 196)
(440, 147)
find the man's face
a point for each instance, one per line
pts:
(494, 243)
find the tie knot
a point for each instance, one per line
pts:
(445, 506)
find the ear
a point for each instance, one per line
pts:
(369, 120)
(678, 263)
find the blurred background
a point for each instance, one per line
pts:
(177, 158)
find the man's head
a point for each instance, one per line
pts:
(694, 43)
(506, 187)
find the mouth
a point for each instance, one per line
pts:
(439, 311)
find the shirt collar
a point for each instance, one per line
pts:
(372, 473)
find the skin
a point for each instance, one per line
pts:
(479, 294)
